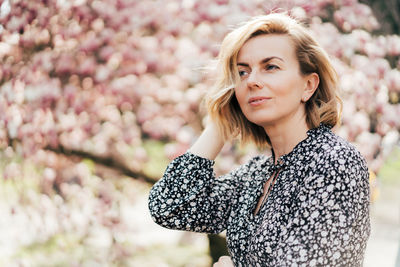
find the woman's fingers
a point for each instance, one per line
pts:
(224, 261)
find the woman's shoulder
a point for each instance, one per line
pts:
(340, 146)
(333, 150)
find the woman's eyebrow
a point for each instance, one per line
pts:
(263, 61)
(242, 64)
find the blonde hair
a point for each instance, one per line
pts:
(323, 107)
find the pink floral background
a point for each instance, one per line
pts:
(96, 97)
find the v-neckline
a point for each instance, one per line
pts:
(266, 192)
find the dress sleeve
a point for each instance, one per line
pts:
(331, 225)
(190, 197)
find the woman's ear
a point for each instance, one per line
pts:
(312, 82)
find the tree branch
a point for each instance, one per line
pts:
(105, 161)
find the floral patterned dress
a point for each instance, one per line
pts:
(317, 213)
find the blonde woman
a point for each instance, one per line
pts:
(307, 204)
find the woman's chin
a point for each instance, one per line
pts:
(261, 123)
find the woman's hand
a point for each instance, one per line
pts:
(224, 261)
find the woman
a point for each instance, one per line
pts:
(307, 204)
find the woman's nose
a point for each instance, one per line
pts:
(253, 81)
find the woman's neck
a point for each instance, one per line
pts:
(284, 137)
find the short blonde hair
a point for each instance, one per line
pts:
(323, 107)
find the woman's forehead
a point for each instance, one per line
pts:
(266, 46)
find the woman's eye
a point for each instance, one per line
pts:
(271, 67)
(242, 73)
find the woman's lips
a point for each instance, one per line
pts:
(259, 100)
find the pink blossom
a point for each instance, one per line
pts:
(392, 79)
(393, 45)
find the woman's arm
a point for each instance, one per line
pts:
(209, 143)
(189, 196)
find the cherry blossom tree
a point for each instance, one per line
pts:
(93, 92)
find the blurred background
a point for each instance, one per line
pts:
(96, 97)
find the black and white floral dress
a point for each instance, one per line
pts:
(317, 213)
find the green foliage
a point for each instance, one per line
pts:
(90, 165)
(390, 171)
(157, 162)
(59, 250)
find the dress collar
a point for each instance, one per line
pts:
(293, 155)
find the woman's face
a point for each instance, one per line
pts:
(271, 87)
